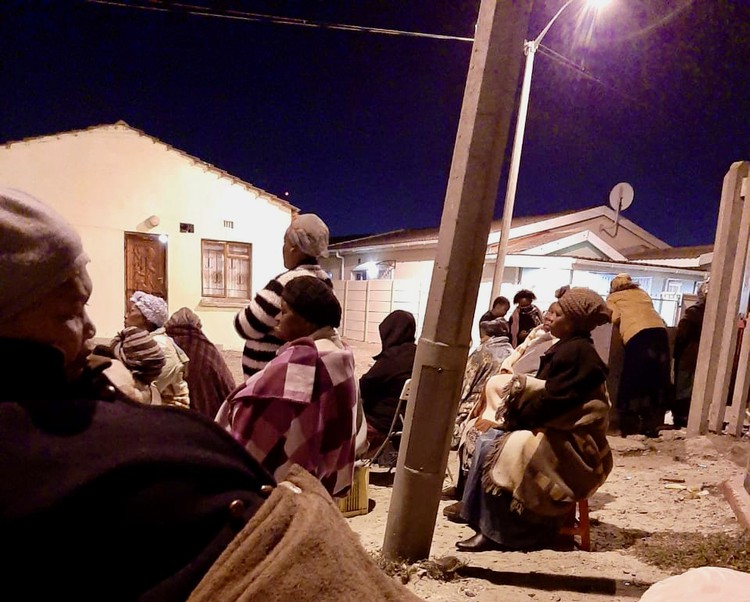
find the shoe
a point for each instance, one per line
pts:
(449, 493)
(453, 513)
(478, 543)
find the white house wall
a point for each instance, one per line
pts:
(109, 180)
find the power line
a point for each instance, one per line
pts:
(202, 11)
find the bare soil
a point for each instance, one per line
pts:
(660, 491)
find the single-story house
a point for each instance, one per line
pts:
(155, 218)
(380, 273)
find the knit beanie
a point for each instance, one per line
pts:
(585, 308)
(139, 351)
(39, 250)
(153, 308)
(309, 234)
(312, 299)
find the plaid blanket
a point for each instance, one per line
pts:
(300, 409)
(562, 461)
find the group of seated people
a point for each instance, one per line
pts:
(531, 419)
(108, 495)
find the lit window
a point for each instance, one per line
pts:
(371, 270)
(225, 270)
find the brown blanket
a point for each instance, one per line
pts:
(298, 548)
(547, 469)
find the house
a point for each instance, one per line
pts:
(377, 274)
(157, 219)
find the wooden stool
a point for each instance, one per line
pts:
(577, 523)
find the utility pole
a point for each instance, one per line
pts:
(481, 141)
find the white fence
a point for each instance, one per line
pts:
(366, 303)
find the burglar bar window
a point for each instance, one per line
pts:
(225, 269)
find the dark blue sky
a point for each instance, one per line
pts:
(360, 127)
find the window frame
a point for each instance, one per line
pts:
(227, 256)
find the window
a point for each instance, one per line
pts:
(371, 270)
(225, 270)
(644, 282)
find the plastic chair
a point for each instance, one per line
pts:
(393, 431)
(577, 524)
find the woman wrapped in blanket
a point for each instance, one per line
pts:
(300, 408)
(551, 449)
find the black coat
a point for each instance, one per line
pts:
(102, 498)
(381, 385)
(572, 371)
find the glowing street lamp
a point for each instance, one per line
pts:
(529, 48)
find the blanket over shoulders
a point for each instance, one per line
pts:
(298, 547)
(560, 462)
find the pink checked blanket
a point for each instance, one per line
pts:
(300, 409)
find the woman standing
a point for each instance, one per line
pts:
(525, 317)
(644, 383)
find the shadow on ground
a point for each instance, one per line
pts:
(606, 537)
(552, 582)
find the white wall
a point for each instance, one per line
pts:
(109, 180)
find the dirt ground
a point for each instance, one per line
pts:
(643, 496)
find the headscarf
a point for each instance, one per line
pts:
(585, 308)
(498, 327)
(622, 282)
(312, 299)
(184, 317)
(397, 328)
(153, 308)
(39, 250)
(309, 234)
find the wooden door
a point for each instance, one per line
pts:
(145, 265)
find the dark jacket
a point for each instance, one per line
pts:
(381, 385)
(105, 499)
(573, 372)
(208, 377)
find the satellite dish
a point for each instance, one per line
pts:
(621, 196)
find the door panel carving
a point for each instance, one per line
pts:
(145, 265)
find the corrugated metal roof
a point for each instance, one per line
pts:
(673, 253)
(427, 235)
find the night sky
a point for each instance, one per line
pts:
(359, 127)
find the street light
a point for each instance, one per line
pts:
(529, 48)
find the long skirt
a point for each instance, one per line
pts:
(643, 394)
(492, 515)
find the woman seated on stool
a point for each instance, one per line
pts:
(300, 408)
(551, 449)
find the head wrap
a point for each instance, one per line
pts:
(141, 354)
(585, 308)
(184, 317)
(495, 328)
(622, 282)
(561, 291)
(39, 250)
(153, 308)
(312, 299)
(309, 234)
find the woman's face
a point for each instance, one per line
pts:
(291, 325)
(548, 319)
(60, 320)
(560, 326)
(134, 317)
(524, 302)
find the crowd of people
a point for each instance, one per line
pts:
(148, 455)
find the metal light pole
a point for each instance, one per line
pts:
(529, 48)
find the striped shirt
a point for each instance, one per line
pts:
(256, 322)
